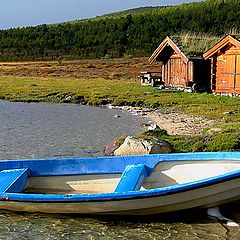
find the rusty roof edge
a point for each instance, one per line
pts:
(220, 44)
(166, 41)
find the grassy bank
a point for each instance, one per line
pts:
(120, 92)
(99, 91)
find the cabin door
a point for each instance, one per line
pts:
(231, 72)
(175, 72)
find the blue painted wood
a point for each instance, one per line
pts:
(13, 180)
(112, 165)
(132, 178)
(107, 165)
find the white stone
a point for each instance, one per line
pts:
(135, 146)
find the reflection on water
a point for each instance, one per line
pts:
(61, 130)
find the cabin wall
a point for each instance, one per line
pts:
(226, 70)
(177, 73)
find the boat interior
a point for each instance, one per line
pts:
(133, 178)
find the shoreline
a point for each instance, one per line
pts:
(174, 123)
(179, 123)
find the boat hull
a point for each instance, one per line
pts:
(135, 185)
(203, 197)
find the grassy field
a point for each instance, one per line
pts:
(126, 90)
(119, 92)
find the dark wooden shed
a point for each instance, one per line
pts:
(225, 66)
(181, 70)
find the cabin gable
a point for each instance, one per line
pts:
(225, 66)
(165, 50)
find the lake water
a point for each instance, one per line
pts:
(41, 130)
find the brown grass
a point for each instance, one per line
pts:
(83, 69)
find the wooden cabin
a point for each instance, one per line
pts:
(225, 66)
(181, 70)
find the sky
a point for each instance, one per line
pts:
(21, 13)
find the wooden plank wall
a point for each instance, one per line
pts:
(176, 73)
(227, 70)
(238, 72)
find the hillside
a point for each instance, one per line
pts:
(135, 32)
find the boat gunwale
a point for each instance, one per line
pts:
(112, 164)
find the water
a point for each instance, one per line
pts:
(39, 226)
(40, 130)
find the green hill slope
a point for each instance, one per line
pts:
(134, 32)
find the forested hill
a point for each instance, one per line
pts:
(134, 32)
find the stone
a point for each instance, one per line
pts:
(136, 146)
(109, 148)
(214, 130)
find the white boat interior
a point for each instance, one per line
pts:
(165, 173)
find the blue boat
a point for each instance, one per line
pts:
(127, 185)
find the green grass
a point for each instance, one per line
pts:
(128, 92)
(55, 90)
(119, 92)
(224, 141)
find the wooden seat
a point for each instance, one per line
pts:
(13, 180)
(132, 178)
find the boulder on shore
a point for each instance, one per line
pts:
(138, 146)
(109, 149)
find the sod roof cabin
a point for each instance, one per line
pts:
(182, 63)
(225, 66)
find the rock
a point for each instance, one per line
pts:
(152, 127)
(106, 101)
(80, 100)
(228, 113)
(109, 149)
(135, 146)
(148, 124)
(112, 107)
(214, 130)
(68, 98)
